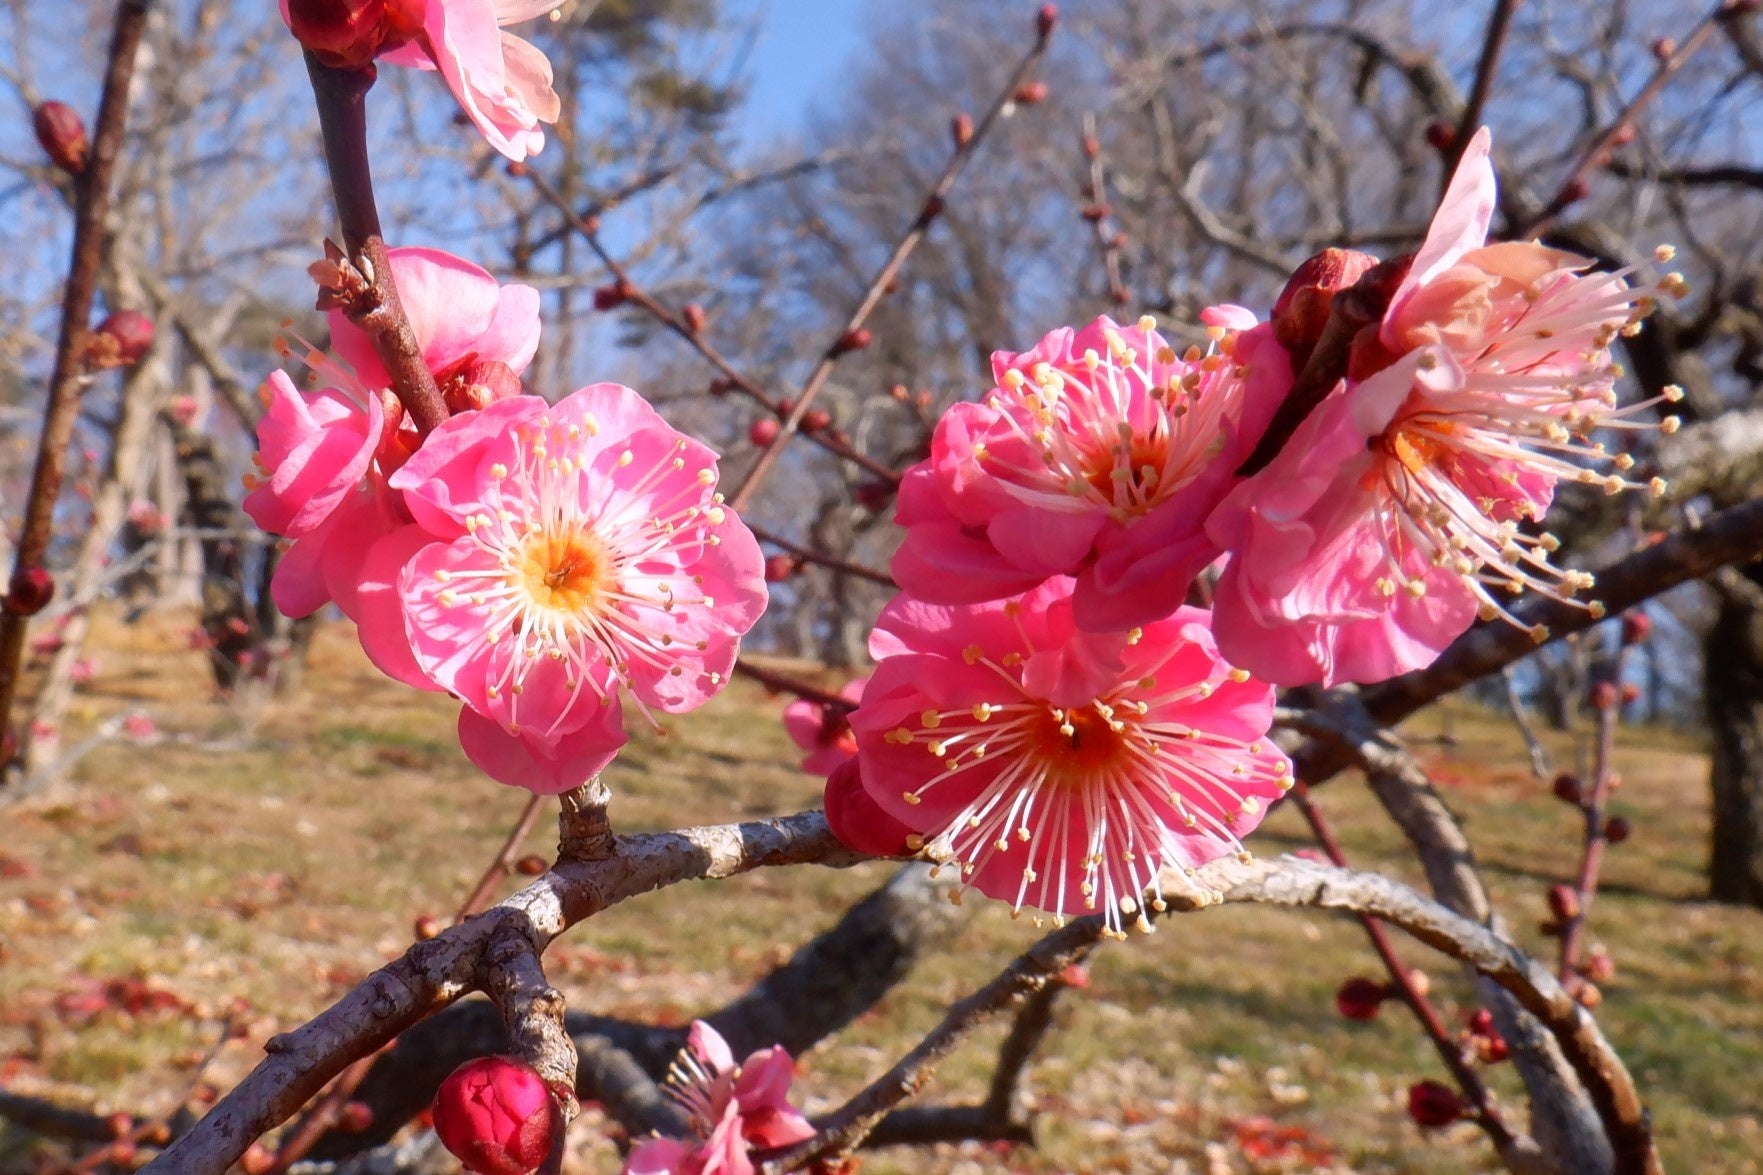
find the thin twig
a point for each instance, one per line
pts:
(1499, 24)
(68, 376)
(503, 864)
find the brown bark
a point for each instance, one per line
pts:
(1734, 693)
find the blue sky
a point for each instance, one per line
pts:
(801, 46)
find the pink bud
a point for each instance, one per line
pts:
(961, 129)
(855, 339)
(496, 1116)
(1564, 902)
(1604, 696)
(1045, 19)
(1440, 136)
(121, 340)
(530, 865)
(1664, 47)
(1568, 789)
(693, 317)
(1637, 626)
(1075, 975)
(426, 927)
(354, 1117)
(1617, 829)
(29, 592)
(1433, 1104)
(1031, 93)
(62, 135)
(1599, 967)
(1573, 191)
(140, 727)
(816, 419)
(1360, 999)
(1095, 212)
(610, 297)
(779, 568)
(1092, 148)
(763, 432)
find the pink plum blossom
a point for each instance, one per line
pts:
(1397, 511)
(1098, 454)
(324, 456)
(821, 729)
(558, 559)
(733, 1110)
(497, 1116)
(502, 82)
(1057, 768)
(858, 821)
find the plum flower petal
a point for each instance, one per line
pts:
(315, 448)
(579, 556)
(1101, 446)
(732, 1110)
(857, 820)
(820, 729)
(1063, 785)
(1400, 510)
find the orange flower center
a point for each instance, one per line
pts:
(564, 572)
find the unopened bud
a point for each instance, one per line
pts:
(121, 340)
(779, 568)
(1433, 1104)
(62, 135)
(530, 865)
(1092, 148)
(763, 432)
(612, 296)
(517, 168)
(1604, 695)
(693, 317)
(257, 1159)
(1302, 308)
(29, 591)
(1599, 967)
(1568, 788)
(873, 496)
(1045, 19)
(1623, 135)
(1564, 902)
(1420, 981)
(354, 1117)
(1588, 996)
(1637, 626)
(1664, 47)
(1617, 829)
(961, 129)
(122, 1152)
(1631, 693)
(1440, 136)
(1360, 998)
(816, 419)
(497, 1116)
(1573, 191)
(426, 927)
(1030, 93)
(855, 339)
(119, 1124)
(1481, 1022)
(1095, 212)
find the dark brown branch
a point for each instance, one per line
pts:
(1499, 24)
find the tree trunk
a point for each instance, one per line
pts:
(1734, 695)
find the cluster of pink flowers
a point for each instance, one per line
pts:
(1051, 718)
(732, 1110)
(541, 563)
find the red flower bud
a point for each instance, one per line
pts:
(1617, 829)
(257, 1159)
(1564, 902)
(779, 568)
(62, 135)
(1095, 212)
(1432, 1104)
(1630, 693)
(1623, 135)
(1568, 789)
(1599, 967)
(1664, 47)
(1045, 19)
(852, 340)
(354, 1117)
(1637, 626)
(1076, 976)
(1092, 148)
(496, 1116)
(1360, 999)
(1604, 695)
(1588, 996)
(1573, 191)
(1481, 1022)
(530, 865)
(348, 34)
(8, 745)
(121, 340)
(119, 1124)
(1301, 310)
(426, 927)
(873, 496)
(816, 419)
(763, 432)
(961, 129)
(611, 297)
(1030, 93)
(29, 592)
(517, 168)
(1491, 1048)
(720, 387)
(1440, 136)
(693, 317)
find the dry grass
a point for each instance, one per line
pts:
(281, 858)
